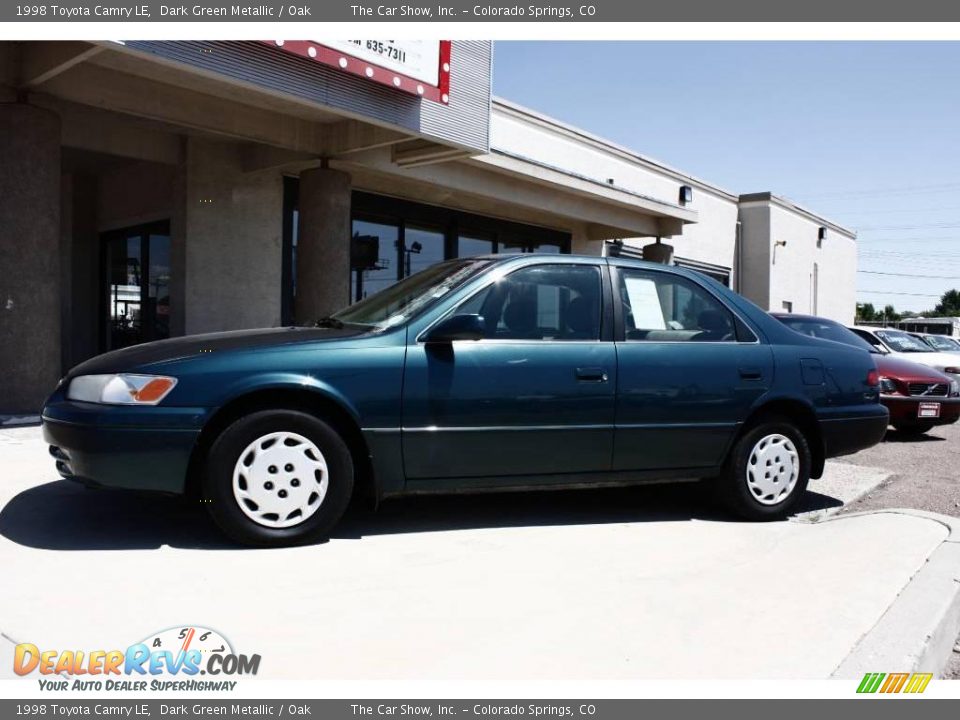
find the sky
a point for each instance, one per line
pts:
(865, 134)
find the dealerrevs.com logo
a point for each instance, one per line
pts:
(172, 659)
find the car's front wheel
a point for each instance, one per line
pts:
(278, 477)
(767, 471)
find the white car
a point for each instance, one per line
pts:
(897, 342)
(940, 343)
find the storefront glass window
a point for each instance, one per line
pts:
(136, 285)
(422, 248)
(468, 246)
(393, 238)
(373, 258)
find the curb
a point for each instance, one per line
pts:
(918, 631)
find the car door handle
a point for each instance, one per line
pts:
(748, 373)
(591, 374)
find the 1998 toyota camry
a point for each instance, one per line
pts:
(476, 374)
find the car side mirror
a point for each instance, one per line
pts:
(456, 327)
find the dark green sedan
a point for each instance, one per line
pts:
(489, 373)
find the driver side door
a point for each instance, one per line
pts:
(533, 399)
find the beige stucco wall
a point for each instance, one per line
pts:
(814, 280)
(553, 144)
(712, 239)
(755, 253)
(794, 265)
(234, 246)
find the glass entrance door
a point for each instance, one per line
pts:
(135, 285)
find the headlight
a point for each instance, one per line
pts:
(120, 389)
(887, 386)
(955, 387)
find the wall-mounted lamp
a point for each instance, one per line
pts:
(686, 194)
(780, 243)
(821, 236)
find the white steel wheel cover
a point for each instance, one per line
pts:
(280, 480)
(773, 469)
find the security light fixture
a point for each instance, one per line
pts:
(686, 194)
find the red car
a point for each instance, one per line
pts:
(918, 397)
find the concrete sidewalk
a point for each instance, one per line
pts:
(634, 583)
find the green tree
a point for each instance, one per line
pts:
(890, 313)
(866, 312)
(949, 305)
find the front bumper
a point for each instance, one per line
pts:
(845, 435)
(906, 409)
(135, 448)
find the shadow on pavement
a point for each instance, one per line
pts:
(64, 516)
(906, 437)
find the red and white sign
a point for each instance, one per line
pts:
(418, 67)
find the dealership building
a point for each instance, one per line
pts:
(156, 189)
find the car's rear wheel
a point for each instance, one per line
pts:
(767, 471)
(278, 477)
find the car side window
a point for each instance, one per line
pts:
(870, 338)
(542, 302)
(661, 307)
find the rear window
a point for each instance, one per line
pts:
(827, 330)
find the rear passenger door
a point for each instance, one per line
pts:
(688, 371)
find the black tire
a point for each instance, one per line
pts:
(217, 483)
(913, 428)
(732, 486)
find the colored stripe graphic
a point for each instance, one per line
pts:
(918, 683)
(894, 682)
(870, 682)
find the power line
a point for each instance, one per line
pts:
(884, 191)
(922, 226)
(887, 292)
(927, 239)
(910, 275)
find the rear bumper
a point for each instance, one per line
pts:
(105, 446)
(847, 435)
(904, 410)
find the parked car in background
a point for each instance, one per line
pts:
(492, 373)
(940, 343)
(918, 397)
(903, 344)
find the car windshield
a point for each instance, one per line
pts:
(827, 330)
(944, 344)
(398, 303)
(900, 341)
